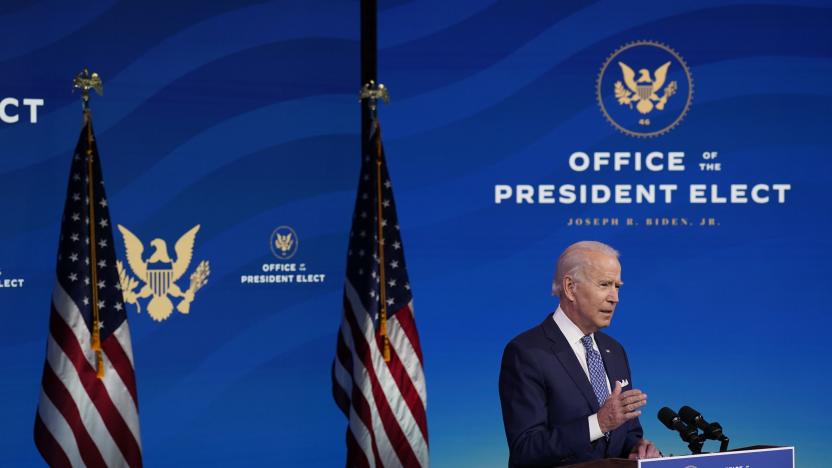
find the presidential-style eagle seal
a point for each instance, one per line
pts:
(284, 242)
(160, 273)
(647, 91)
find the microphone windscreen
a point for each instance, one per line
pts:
(666, 416)
(688, 415)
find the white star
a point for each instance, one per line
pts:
(392, 283)
(385, 203)
(397, 245)
(407, 286)
(118, 286)
(76, 177)
(397, 227)
(103, 222)
(100, 304)
(394, 264)
(383, 222)
(102, 243)
(76, 157)
(74, 237)
(100, 324)
(103, 202)
(76, 217)
(87, 260)
(102, 263)
(74, 257)
(86, 301)
(86, 280)
(76, 196)
(101, 284)
(372, 293)
(390, 301)
(387, 183)
(73, 277)
(373, 273)
(117, 306)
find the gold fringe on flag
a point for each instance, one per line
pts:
(86, 81)
(383, 287)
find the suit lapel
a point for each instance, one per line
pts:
(563, 351)
(613, 361)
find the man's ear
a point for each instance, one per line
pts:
(569, 288)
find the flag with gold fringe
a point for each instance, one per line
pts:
(377, 375)
(88, 409)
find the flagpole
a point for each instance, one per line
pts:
(86, 81)
(369, 60)
(370, 93)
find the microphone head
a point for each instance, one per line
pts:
(714, 431)
(666, 416)
(689, 415)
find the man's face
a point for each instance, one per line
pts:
(596, 292)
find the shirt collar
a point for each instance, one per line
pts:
(571, 331)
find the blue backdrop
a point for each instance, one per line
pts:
(242, 116)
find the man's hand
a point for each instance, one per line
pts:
(644, 449)
(620, 408)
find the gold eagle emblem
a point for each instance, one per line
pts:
(160, 273)
(644, 91)
(284, 242)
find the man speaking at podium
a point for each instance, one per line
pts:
(565, 387)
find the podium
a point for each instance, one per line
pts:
(758, 456)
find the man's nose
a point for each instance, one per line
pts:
(613, 296)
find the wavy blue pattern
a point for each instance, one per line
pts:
(563, 41)
(38, 24)
(177, 56)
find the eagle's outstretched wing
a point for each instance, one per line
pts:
(134, 249)
(629, 77)
(660, 76)
(184, 251)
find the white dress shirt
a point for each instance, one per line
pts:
(573, 336)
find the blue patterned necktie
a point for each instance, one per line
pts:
(597, 376)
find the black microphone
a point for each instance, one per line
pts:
(694, 418)
(671, 420)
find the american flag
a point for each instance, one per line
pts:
(384, 401)
(88, 410)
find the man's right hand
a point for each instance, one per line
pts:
(620, 408)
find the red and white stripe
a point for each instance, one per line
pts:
(384, 401)
(83, 420)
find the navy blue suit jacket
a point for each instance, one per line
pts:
(546, 398)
